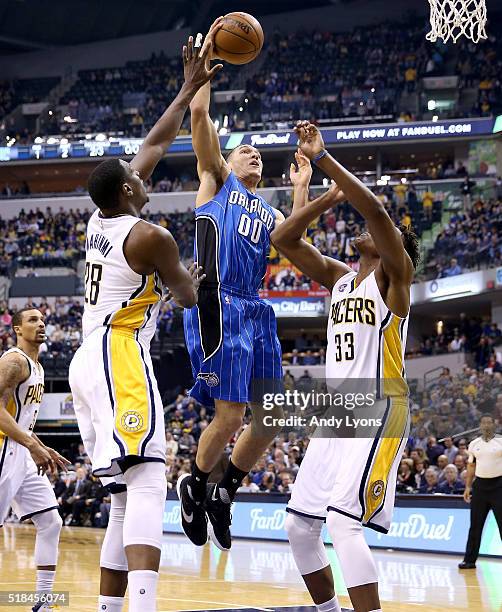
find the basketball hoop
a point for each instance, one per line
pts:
(456, 18)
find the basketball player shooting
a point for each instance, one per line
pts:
(231, 334)
(116, 398)
(351, 482)
(24, 458)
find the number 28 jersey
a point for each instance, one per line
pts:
(115, 295)
(365, 339)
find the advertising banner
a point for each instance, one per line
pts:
(102, 146)
(57, 407)
(417, 528)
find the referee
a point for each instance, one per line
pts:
(485, 463)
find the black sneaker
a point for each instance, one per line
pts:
(466, 565)
(193, 516)
(220, 517)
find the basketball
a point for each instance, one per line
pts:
(240, 39)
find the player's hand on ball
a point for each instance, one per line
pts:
(195, 65)
(300, 176)
(210, 37)
(309, 139)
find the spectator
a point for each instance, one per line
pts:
(451, 483)
(431, 482)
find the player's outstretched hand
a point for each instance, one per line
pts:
(302, 175)
(195, 65)
(336, 194)
(58, 459)
(209, 38)
(41, 457)
(309, 139)
(196, 274)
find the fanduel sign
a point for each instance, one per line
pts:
(257, 140)
(408, 131)
(417, 528)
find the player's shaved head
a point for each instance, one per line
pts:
(105, 183)
(241, 146)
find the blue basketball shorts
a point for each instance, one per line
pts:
(232, 342)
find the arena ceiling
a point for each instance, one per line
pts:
(28, 25)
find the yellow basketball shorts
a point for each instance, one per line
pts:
(117, 402)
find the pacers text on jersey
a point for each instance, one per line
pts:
(353, 310)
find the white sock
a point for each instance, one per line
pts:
(379, 610)
(45, 581)
(329, 606)
(142, 586)
(110, 604)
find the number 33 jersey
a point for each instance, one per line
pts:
(365, 339)
(115, 295)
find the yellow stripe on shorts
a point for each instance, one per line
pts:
(393, 364)
(132, 316)
(132, 409)
(386, 451)
(11, 409)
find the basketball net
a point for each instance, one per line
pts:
(451, 19)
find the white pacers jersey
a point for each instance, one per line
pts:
(365, 339)
(355, 475)
(21, 486)
(114, 294)
(115, 394)
(24, 405)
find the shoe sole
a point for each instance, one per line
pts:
(213, 538)
(178, 491)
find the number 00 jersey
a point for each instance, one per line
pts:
(365, 339)
(115, 294)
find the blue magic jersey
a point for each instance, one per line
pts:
(231, 334)
(232, 238)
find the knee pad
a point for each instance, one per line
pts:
(308, 549)
(146, 498)
(112, 552)
(356, 560)
(48, 525)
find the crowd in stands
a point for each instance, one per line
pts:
(447, 409)
(42, 239)
(63, 327)
(480, 337)
(471, 240)
(362, 73)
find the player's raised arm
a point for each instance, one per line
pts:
(288, 239)
(167, 127)
(211, 167)
(300, 179)
(13, 371)
(395, 260)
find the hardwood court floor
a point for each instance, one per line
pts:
(252, 576)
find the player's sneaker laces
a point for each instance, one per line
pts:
(193, 515)
(220, 517)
